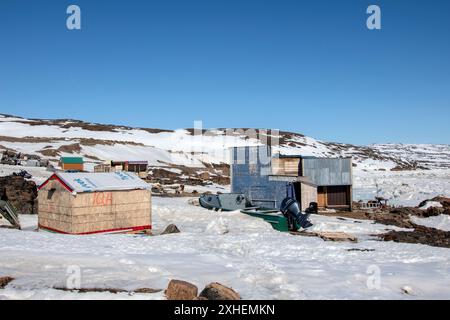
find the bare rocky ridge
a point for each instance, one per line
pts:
(424, 156)
(404, 157)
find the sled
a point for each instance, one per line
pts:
(10, 213)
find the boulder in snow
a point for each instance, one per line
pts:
(181, 290)
(217, 291)
(429, 204)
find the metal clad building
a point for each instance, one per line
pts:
(252, 174)
(265, 179)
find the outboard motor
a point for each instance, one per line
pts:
(290, 209)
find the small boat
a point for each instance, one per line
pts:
(274, 217)
(224, 202)
(289, 218)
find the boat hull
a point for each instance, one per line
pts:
(276, 219)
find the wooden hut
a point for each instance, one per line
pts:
(88, 203)
(71, 163)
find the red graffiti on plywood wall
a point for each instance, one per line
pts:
(102, 199)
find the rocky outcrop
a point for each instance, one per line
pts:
(444, 201)
(21, 193)
(217, 291)
(420, 235)
(181, 290)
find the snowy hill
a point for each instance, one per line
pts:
(98, 142)
(425, 155)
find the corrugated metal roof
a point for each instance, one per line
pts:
(138, 162)
(109, 181)
(72, 160)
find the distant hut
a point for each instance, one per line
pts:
(138, 167)
(88, 203)
(71, 163)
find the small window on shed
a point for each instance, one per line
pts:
(50, 194)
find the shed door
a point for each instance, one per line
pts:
(321, 197)
(337, 196)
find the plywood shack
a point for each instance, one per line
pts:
(89, 203)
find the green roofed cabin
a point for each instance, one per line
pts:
(71, 163)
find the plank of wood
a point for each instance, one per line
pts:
(328, 236)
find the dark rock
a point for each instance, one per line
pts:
(399, 221)
(4, 281)
(147, 290)
(87, 290)
(171, 228)
(110, 290)
(398, 217)
(406, 211)
(181, 290)
(443, 200)
(217, 291)
(21, 193)
(433, 211)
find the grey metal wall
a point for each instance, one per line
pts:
(328, 171)
(250, 170)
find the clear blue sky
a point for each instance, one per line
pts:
(306, 66)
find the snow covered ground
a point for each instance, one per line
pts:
(237, 250)
(441, 222)
(407, 188)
